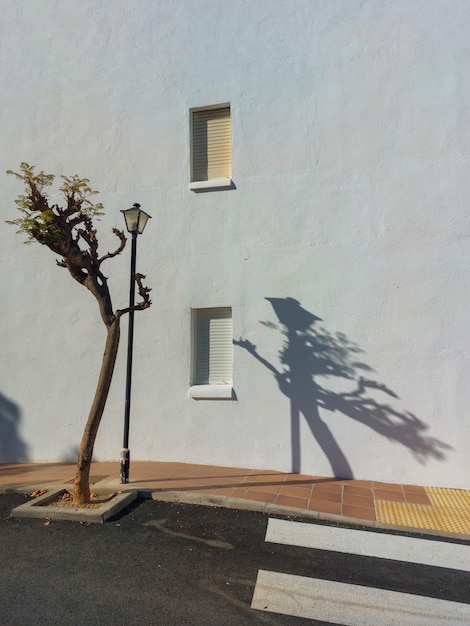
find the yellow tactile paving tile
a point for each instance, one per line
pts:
(454, 498)
(450, 512)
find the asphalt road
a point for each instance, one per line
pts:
(164, 564)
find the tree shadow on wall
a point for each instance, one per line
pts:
(12, 447)
(310, 356)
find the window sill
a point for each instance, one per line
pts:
(213, 183)
(212, 392)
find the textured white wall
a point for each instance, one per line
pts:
(350, 124)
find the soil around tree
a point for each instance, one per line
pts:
(65, 500)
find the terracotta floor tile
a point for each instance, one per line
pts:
(238, 493)
(201, 469)
(96, 479)
(360, 512)
(217, 484)
(417, 498)
(231, 471)
(233, 482)
(266, 488)
(357, 491)
(332, 487)
(300, 478)
(294, 490)
(388, 487)
(166, 485)
(259, 496)
(207, 480)
(189, 470)
(241, 480)
(299, 503)
(352, 499)
(326, 496)
(324, 507)
(306, 488)
(247, 485)
(193, 485)
(269, 480)
(413, 489)
(249, 478)
(384, 494)
(224, 491)
(358, 483)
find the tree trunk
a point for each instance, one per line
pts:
(81, 488)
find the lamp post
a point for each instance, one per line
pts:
(136, 220)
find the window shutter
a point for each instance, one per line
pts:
(211, 144)
(213, 346)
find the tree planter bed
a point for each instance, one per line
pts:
(43, 507)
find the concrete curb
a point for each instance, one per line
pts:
(219, 501)
(274, 509)
(38, 507)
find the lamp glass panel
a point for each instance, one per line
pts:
(132, 218)
(142, 221)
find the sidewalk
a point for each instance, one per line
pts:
(429, 510)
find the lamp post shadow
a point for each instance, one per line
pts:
(311, 355)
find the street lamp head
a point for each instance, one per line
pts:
(136, 219)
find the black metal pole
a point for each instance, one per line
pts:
(125, 453)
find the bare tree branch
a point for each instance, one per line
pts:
(121, 247)
(144, 294)
(143, 291)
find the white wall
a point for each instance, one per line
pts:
(350, 124)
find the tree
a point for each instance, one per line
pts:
(69, 232)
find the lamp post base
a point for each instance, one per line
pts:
(124, 466)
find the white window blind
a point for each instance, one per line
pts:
(211, 144)
(213, 346)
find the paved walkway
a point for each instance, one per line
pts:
(426, 509)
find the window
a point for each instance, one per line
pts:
(211, 151)
(213, 346)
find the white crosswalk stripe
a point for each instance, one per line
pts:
(352, 605)
(380, 545)
(357, 605)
